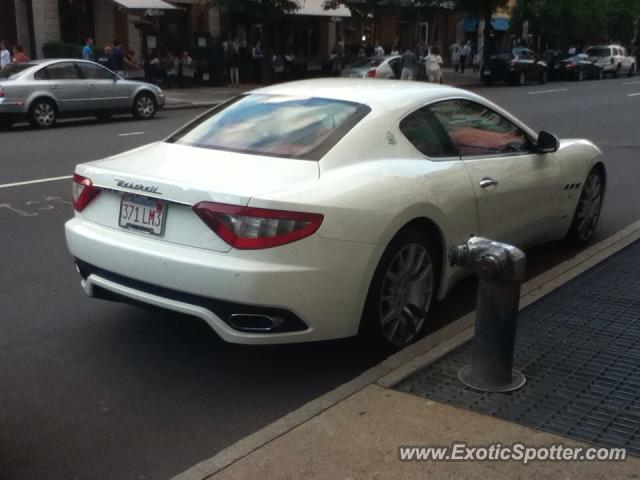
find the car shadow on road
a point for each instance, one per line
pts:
(74, 122)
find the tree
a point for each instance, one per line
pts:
(268, 12)
(483, 9)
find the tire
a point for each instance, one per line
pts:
(632, 70)
(104, 116)
(43, 113)
(544, 77)
(399, 301)
(616, 72)
(587, 214)
(144, 106)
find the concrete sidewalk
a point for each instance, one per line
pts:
(355, 431)
(204, 97)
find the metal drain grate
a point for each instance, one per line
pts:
(579, 348)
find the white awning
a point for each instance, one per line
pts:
(316, 8)
(146, 4)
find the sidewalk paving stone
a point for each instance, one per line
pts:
(579, 348)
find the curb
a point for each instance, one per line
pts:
(412, 358)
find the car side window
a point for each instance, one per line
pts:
(94, 72)
(424, 131)
(476, 130)
(60, 71)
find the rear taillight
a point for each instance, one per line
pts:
(371, 73)
(83, 192)
(249, 228)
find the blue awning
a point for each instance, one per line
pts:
(470, 24)
(500, 23)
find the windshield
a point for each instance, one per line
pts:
(275, 125)
(599, 52)
(14, 69)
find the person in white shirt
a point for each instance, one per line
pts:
(378, 51)
(432, 64)
(465, 51)
(5, 54)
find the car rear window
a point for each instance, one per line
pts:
(369, 62)
(504, 55)
(599, 52)
(274, 125)
(14, 69)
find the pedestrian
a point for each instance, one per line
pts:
(105, 58)
(117, 57)
(464, 54)
(234, 63)
(87, 50)
(19, 55)
(572, 50)
(454, 49)
(5, 54)
(433, 62)
(378, 51)
(395, 50)
(257, 57)
(188, 70)
(151, 67)
(409, 65)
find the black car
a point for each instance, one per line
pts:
(580, 67)
(515, 66)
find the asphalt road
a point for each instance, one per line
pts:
(96, 390)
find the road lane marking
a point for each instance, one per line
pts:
(631, 83)
(31, 182)
(633, 94)
(131, 133)
(537, 92)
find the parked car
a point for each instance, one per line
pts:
(388, 67)
(324, 208)
(613, 59)
(578, 67)
(515, 66)
(43, 91)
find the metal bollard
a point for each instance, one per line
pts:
(500, 268)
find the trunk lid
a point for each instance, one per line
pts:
(183, 176)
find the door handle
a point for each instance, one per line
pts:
(488, 182)
(54, 87)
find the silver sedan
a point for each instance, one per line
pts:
(42, 91)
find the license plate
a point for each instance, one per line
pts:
(142, 213)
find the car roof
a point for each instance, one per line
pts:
(384, 94)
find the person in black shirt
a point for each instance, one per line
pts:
(117, 56)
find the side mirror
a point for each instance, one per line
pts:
(547, 142)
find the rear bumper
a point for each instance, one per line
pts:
(10, 108)
(316, 286)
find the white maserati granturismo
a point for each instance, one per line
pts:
(322, 209)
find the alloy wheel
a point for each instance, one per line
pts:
(589, 206)
(407, 289)
(44, 114)
(145, 107)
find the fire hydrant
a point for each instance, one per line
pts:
(500, 269)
